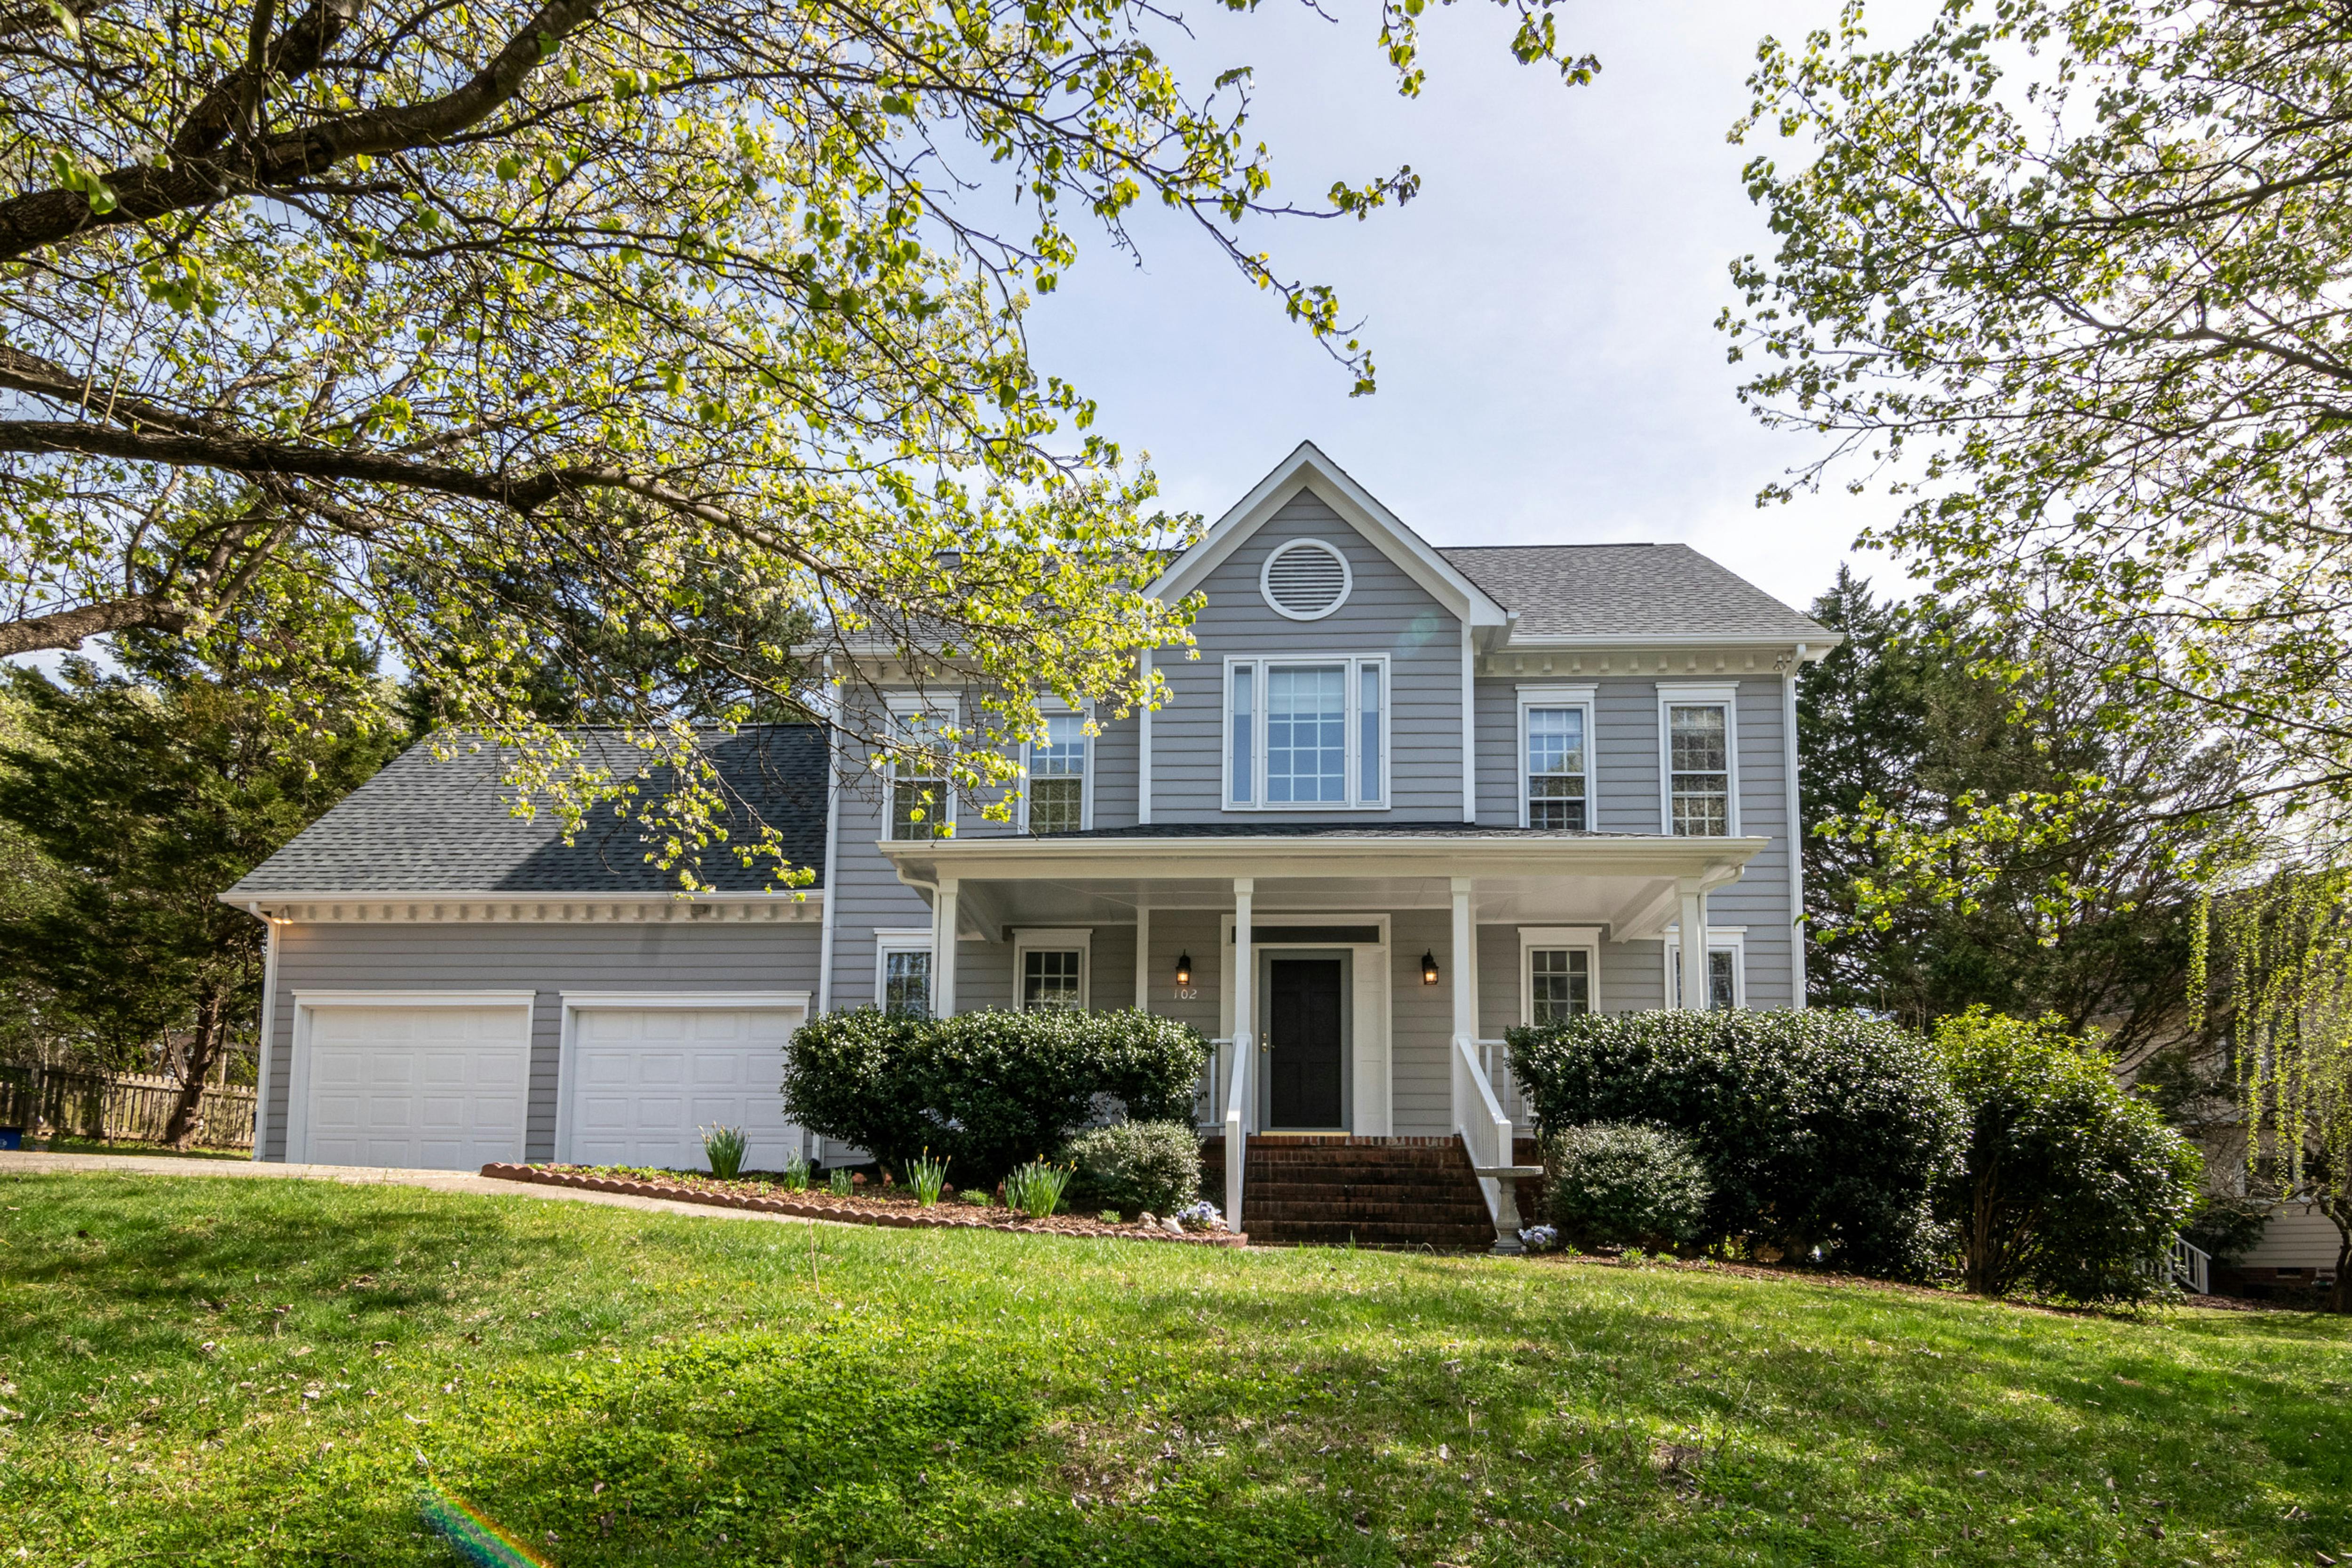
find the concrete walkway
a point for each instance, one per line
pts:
(32, 1165)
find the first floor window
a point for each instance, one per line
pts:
(906, 981)
(1698, 761)
(1057, 775)
(1049, 978)
(1722, 979)
(1306, 734)
(1559, 983)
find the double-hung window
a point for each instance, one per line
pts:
(1699, 745)
(922, 805)
(1050, 969)
(1306, 734)
(1726, 966)
(1057, 774)
(1555, 757)
(902, 978)
(1556, 971)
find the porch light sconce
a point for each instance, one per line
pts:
(1184, 969)
(1429, 969)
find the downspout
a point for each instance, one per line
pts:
(1796, 827)
(832, 843)
(268, 1026)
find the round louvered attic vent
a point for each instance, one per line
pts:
(1305, 580)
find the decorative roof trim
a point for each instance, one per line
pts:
(1308, 468)
(533, 909)
(1650, 657)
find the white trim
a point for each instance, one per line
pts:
(574, 1003)
(1795, 806)
(1307, 469)
(1469, 727)
(269, 1032)
(1054, 939)
(1719, 938)
(1556, 696)
(1352, 665)
(1266, 578)
(1143, 958)
(907, 939)
(1693, 694)
(1143, 750)
(534, 908)
(307, 1002)
(1554, 938)
(825, 945)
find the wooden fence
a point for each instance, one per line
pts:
(88, 1105)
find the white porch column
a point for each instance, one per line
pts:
(1692, 941)
(1142, 958)
(1244, 987)
(1466, 964)
(943, 949)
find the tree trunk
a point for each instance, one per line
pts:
(180, 1131)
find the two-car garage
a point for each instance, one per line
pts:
(445, 1080)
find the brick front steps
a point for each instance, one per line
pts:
(852, 1211)
(1361, 1192)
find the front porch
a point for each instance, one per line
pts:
(1356, 982)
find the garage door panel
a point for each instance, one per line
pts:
(688, 1068)
(432, 1087)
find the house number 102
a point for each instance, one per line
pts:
(1188, 993)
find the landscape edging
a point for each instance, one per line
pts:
(501, 1171)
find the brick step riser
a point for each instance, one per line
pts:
(1439, 1197)
(1371, 1237)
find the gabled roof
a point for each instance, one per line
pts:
(422, 825)
(1629, 592)
(1306, 468)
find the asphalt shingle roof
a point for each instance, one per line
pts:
(427, 826)
(1661, 590)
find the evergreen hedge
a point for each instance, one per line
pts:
(1135, 1166)
(988, 1089)
(1617, 1183)
(1818, 1129)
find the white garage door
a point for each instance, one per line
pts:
(645, 1080)
(441, 1089)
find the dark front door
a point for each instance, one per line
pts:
(1302, 1004)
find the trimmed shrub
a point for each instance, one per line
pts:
(988, 1089)
(1619, 1182)
(1818, 1129)
(2072, 1186)
(1135, 1166)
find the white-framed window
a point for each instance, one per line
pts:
(1308, 734)
(902, 971)
(1560, 972)
(1059, 797)
(1049, 969)
(922, 805)
(1699, 754)
(1726, 969)
(1556, 757)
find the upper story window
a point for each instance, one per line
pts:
(921, 804)
(1057, 775)
(1306, 733)
(1555, 757)
(1305, 580)
(1701, 786)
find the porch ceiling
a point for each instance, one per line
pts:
(1626, 883)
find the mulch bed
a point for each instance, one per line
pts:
(905, 1212)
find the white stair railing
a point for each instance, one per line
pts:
(1479, 1117)
(2192, 1267)
(1236, 1134)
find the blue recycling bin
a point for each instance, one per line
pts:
(12, 1138)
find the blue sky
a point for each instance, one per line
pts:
(1543, 316)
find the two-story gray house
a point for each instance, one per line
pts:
(1402, 799)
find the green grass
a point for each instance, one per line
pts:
(123, 1146)
(616, 1386)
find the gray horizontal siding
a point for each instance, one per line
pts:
(547, 959)
(1386, 613)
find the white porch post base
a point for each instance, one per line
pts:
(943, 949)
(1691, 942)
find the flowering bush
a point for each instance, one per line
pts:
(1539, 1237)
(1618, 1182)
(1200, 1215)
(1132, 1166)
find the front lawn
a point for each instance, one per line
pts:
(209, 1371)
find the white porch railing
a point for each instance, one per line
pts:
(2192, 1265)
